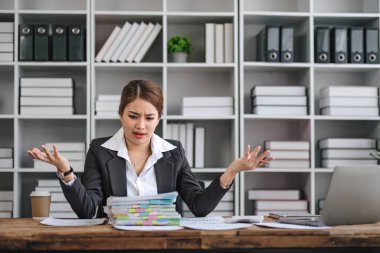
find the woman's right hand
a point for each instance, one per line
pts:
(54, 158)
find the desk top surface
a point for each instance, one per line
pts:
(28, 234)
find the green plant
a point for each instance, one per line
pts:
(179, 44)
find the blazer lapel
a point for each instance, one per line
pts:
(164, 170)
(117, 174)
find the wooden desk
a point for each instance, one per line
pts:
(29, 235)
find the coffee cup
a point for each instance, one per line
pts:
(40, 204)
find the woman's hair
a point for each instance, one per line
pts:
(144, 89)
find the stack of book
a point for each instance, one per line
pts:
(279, 100)
(59, 207)
(274, 200)
(107, 105)
(6, 158)
(185, 134)
(289, 154)
(207, 106)
(224, 208)
(219, 43)
(349, 101)
(157, 210)
(75, 152)
(6, 41)
(6, 204)
(129, 43)
(347, 152)
(47, 96)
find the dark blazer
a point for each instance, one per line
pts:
(105, 175)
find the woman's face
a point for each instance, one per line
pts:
(139, 120)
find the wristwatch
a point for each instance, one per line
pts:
(62, 175)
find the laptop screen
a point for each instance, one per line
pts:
(353, 196)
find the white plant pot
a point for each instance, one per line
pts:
(179, 57)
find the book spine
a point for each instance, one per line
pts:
(210, 42)
(219, 43)
(228, 43)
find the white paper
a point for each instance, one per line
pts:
(220, 226)
(245, 219)
(284, 225)
(72, 222)
(203, 220)
(210, 223)
(149, 228)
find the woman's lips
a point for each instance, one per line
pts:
(139, 135)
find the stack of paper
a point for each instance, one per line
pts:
(289, 154)
(6, 158)
(46, 96)
(6, 41)
(279, 100)
(349, 101)
(107, 105)
(347, 152)
(157, 210)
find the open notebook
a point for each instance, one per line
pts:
(352, 198)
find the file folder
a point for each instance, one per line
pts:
(41, 42)
(287, 44)
(26, 42)
(339, 45)
(59, 42)
(268, 46)
(356, 44)
(76, 42)
(322, 45)
(372, 45)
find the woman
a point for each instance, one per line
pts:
(135, 161)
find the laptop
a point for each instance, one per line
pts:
(352, 198)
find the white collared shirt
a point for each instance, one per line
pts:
(146, 183)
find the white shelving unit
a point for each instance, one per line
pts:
(226, 137)
(304, 15)
(194, 78)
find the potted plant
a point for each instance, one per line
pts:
(179, 48)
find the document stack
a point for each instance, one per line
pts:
(157, 210)
(129, 43)
(349, 101)
(6, 204)
(185, 134)
(219, 43)
(224, 208)
(347, 152)
(6, 158)
(6, 41)
(75, 152)
(289, 154)
(107, 105)
(47, 96)
(207, 106)
(59, 207)
(279, 100)
(277, 200)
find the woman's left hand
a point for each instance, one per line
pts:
(249, 161)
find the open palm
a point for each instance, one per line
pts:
(54, 158)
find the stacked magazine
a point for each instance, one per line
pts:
(156, 210)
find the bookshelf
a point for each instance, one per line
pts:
(226, 136)
(304, 16)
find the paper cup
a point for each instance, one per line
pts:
(40, 204)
